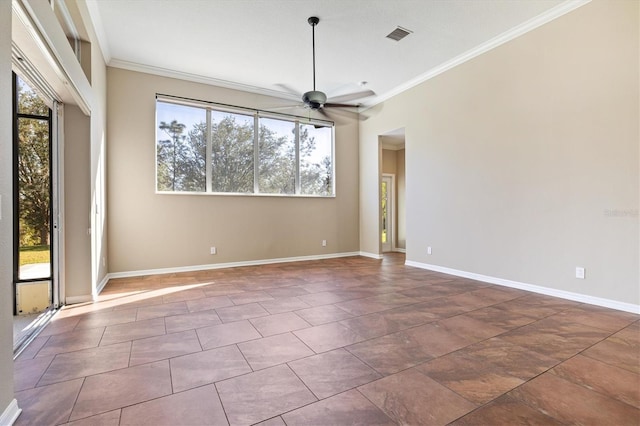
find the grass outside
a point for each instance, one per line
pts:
(34, 254)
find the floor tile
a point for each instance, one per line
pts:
(203, 368)
(87, 362)
(597, 317)
(323, 314)
(469, 328)
(603, 378)
(349, 408)
(275, 421)
(250, 297)
(506, 411)
(208, 303)
(321, 298)
(191, 321)
(273, 350)
(473, 379)
(27, 372)
(553, 395)
(287, 291)
(505, 320)
(103, 319)
(279, 323)
(513, 359)
(412, 398)
(375, 303)
(47, 404)
(226, 334)
(183, 295)
(555, 338)
(283, 304)
(326, 337)
(111, 418)
(620, 350)
(142, 383)
(164, 310)
(280, 391)
(242, 312)
(391, 353)
(132, 331)
(333, 372)
(60, 325)
(163, 347)
(72, 341)
(198, 406)
(435, 339)
(33, 348)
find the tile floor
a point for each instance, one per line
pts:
(336, 342)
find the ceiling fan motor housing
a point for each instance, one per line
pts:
(314, 99)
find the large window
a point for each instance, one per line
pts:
(213, 149)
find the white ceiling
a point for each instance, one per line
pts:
(256, 45)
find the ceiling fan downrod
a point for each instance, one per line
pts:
(313, 21)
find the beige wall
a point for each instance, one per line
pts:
(6, 213)
(515, 157)
(153, 231)
(77, 202)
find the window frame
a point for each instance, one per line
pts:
(257, 114)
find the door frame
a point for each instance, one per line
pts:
(391, 212)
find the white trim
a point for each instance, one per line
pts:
(74, 300)
(371, 255)
(513, 33)
(193, 268)
(101, 285)
(576, 297)
(196, 78)
(10, 414)
(399, 250)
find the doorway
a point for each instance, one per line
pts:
(387, 212)
(392, 236)
(34, 236)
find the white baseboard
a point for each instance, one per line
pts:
(193, 268)
(576, 297)
(74, 300)
(371, 255)
(399, 250)
(101, 285)
(10, 414)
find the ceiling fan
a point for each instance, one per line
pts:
(316, 100)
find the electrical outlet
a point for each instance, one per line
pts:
(580, 273)
(324, 243)
(213, 250)
(428, 250)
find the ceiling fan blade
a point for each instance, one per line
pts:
(283, 107)
(334, 105)
(351, 96)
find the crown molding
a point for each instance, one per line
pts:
(196, 78)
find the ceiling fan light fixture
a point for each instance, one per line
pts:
(314, 99)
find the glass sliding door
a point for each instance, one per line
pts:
(32, 200)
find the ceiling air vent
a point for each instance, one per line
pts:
(399, 33)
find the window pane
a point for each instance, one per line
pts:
(232, 152)
(34, 206)
(277, 154)
(181, 148)
(29, 102)
(316, 168)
